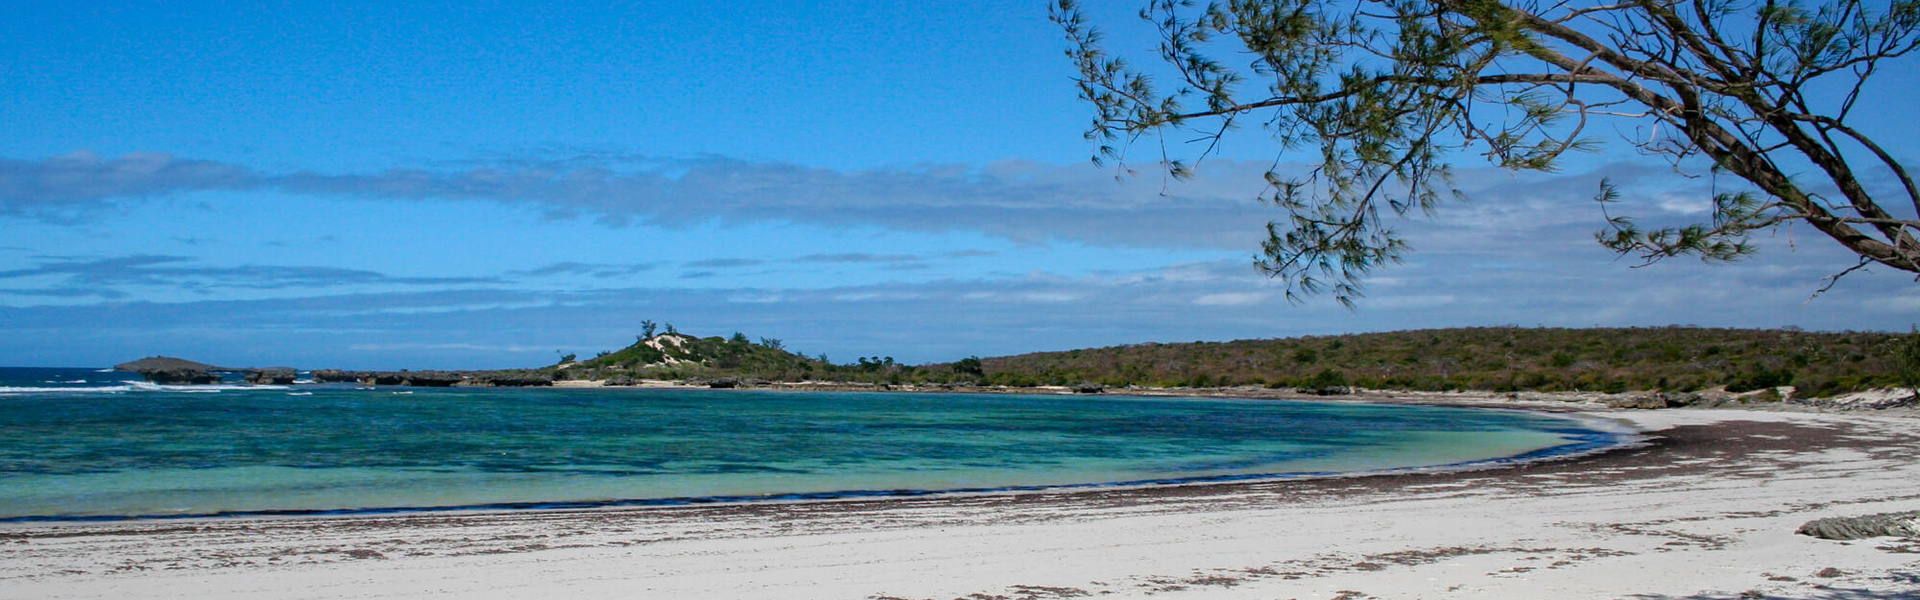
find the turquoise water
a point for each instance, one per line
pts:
(79, 444)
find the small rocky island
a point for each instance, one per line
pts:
(168, 370)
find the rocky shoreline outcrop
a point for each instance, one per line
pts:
(436, 378)
(167, 370)
(272, 376)
(180, 376)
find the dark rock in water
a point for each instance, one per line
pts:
(508, 379)
(1088, 387)
(382, 378)
(429, 378)
(722, 383)
(437, 378)
(180, 376)
(1902, 524)
(272, 376)
(412, 378)
(336, 376)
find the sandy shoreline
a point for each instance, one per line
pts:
(1707, 510)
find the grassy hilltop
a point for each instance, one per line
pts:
(1498, 359)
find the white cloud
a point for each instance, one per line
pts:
(1683, 205)
(1233, 299)
(947, 319)
(1416, 301)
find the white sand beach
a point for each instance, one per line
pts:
(1707, 510)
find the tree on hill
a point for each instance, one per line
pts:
(969, 366)
(1388, 90)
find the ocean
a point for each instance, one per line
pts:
(89, 444)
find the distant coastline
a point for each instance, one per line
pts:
(1660, 367)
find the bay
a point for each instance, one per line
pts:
(83, 444)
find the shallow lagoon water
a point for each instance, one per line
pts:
(112, 449)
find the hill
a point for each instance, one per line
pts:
(1495, 359)
(166, 363)
(1499, 359)
(680, 356)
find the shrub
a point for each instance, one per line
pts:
(1757, 380)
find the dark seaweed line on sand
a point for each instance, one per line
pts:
(1585, 442)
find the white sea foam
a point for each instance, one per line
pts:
(69, 390)
(203, 389)
(136, 386)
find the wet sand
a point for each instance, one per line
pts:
(1706, 509)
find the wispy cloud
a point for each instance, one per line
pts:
(54, 188)
(724, 263)
(107, 277)
(857, 258)
(596, 270)
(1020, 201)
(490, 326)
(1518, 251)
(1025, 202)
(1028, 202)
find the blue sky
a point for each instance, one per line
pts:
(436, 185)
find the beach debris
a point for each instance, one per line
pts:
(1878, 399)
(1646, 401)
(1900, 524)
(1661, 400)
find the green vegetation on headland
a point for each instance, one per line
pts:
(1495, 359)
(1489, 359)
(677, 356)
(1669, 361)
